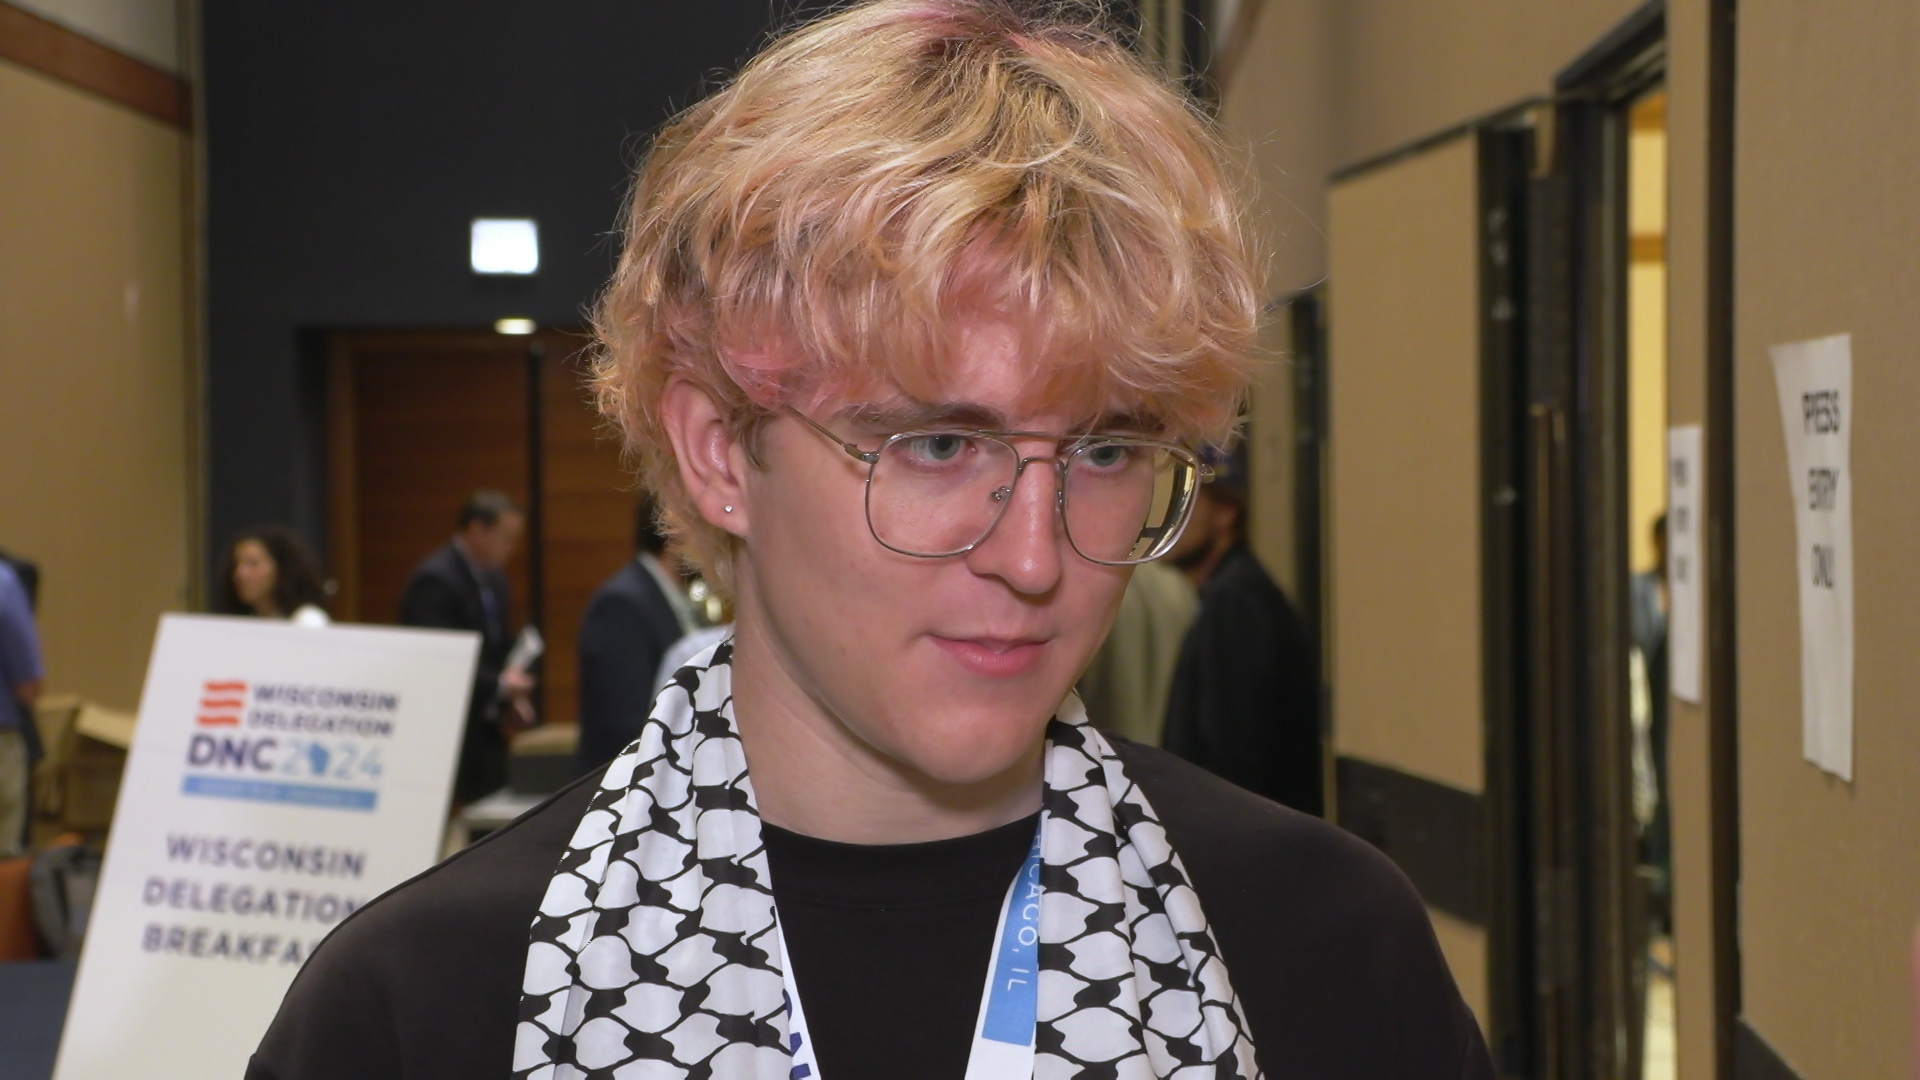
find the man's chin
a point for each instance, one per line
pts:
(965, 752)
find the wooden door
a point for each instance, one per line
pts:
(419, 420)
(587, 501)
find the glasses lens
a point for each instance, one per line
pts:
(939, 494)
(1126, 499)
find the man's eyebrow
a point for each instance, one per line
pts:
(916, 415)
(908, 415)
(1130, 423)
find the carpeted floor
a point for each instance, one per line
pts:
(33, 1005)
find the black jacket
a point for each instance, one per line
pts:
(444, 594)
(1329, 948)
(628, 628)
(1245, 698)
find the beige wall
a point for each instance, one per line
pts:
(1269, 114)
(1404, 464)
(1326, 83)
(1270, 457)
(1276, 109)
(1828, 144)
(1464, 944)
(148, 30)
(1404, 468)
(95, 452)
(1646, 344)
(1409, 69)
(1688, 759)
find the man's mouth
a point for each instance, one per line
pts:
(993, 657)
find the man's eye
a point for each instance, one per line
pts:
(1107, 457)
(939, 447)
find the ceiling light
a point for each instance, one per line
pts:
(513, 326)
(505, 246)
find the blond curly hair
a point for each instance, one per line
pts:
(819, 226)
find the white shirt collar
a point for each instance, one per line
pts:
(675, 591)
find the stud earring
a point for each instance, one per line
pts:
(728, 509)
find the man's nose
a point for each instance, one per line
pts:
(1025, 547)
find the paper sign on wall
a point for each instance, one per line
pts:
(280, 777)
(1815, 379)
(1685, 476)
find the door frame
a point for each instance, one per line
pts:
(1587, 234)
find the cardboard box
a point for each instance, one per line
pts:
(77, 782)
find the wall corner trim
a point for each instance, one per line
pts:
(1434, 832)
(46, 47)
(1755, 1059)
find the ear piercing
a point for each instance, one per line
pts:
(728, 509)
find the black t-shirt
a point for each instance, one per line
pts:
(1328, 946)
(866, 924)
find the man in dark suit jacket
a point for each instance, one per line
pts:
(1245, 698)
(462, 587)
(633, 618)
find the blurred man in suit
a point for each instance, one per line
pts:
(1245, 698)
(633, 619)
(462, 587)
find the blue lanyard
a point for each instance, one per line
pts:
(1009, 1003)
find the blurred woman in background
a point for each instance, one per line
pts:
(270, 573)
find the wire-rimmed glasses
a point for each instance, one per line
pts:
(936, 493)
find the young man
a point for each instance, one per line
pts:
(915, 329)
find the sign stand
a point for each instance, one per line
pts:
(280, 778)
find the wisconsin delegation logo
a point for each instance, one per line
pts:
(222, 702)
(308, 745)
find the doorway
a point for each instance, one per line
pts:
(1601, 300)
(1650, 690)
(418, 420)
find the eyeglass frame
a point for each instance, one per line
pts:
(1202, 473)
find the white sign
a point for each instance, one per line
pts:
(1815, 379)
(1685, 477)
(280, 777)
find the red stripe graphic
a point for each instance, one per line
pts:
(222, 701)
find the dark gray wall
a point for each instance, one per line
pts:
(349, 144)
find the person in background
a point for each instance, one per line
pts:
(1125, 688)
(1649, 626)
(1245, 698)
(463, 586)
(270, 573)
(635, 616)
(21, 672)
(29, 574)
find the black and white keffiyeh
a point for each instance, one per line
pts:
(655, 952)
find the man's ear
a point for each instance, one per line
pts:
(712, 459)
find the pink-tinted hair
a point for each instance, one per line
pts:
(818, 228)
